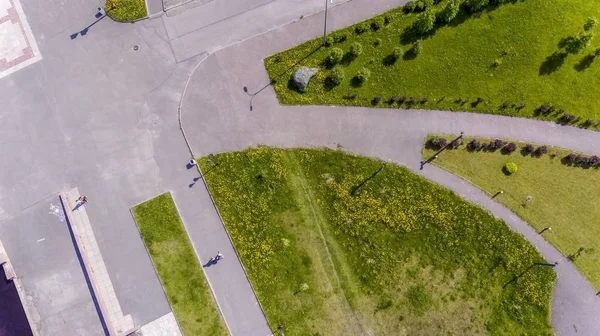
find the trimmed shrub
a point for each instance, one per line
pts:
(402, 99)
(473, 145)
(594, 161)
(449, 12)
(511, 168)
(497, 144)
(376, 100)
(387, 20)
(397, 53)
(541, 151)
(438, 142)
(416, 48)
(528, 148)
(511, 147)
(363, 75)
(375, 25)
(361, 28)
(335, 56)
(336, 76)
(567, 118)
(454, 144)
(377, 42)
(425, 22)
(588, 123)
(338, 37)
(356, 49)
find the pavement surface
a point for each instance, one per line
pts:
(94, 112)
(217, 117)
(97, 111)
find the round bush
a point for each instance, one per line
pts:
(510, 167)
(335, 56)
(425, 22)
(356, 49)
(397, 53)
(336, 76)
(377, 42)
(363, 75)
(417, 48)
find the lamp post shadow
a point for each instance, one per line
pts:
(355, 188)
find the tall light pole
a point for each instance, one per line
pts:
(325, 26)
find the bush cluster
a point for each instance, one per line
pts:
(582, 161)
(438, 142)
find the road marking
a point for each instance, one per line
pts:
(41, 240)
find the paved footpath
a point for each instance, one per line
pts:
(217, 115)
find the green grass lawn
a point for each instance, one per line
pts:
(395, 255)
(564, 198)
(457, 61)
(178, 268)
(127, 10)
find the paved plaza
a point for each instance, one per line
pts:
(95, 104)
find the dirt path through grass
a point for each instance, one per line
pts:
(307, 203)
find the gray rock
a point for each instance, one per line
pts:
(302, 76)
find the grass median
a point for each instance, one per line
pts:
(544, 192)
(336, 246)
(508, 55)
(126, 10)
(178, 267)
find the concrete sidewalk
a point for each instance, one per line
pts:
(218, 24)
(234, 294)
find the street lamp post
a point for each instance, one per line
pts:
(325, 26)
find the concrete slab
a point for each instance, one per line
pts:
(43, 256)
(218, 28)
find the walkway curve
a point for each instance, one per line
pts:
(218, 111)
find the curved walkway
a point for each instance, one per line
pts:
(217, 117)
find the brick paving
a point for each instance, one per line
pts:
(18, 48)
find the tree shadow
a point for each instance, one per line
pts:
(585, 62)
(348, 58)
(356, 82)
(553, 63)
(389, 60)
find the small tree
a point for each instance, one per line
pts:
(425, 22)
(396, 53)
(577, 44)
(336, 76)
(417, 48)
(363, 75)
(449, 12)
(590, 23)
(511, 147)
(335, 56)
(356, 49)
